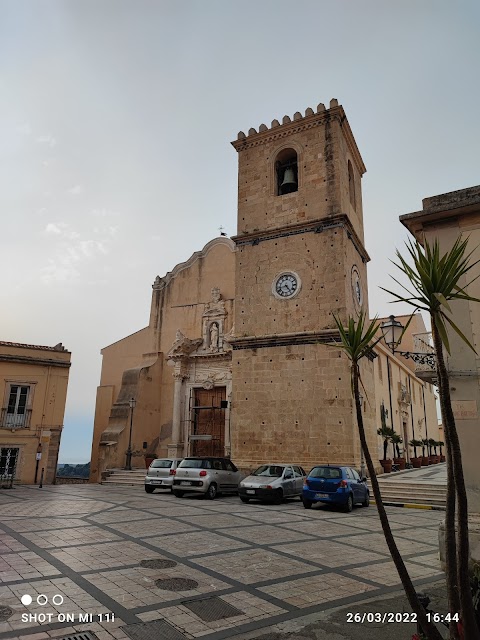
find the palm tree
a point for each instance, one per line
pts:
(424, 446)
(435, 280)
(357, 341)
(386, 433)
(415, 443)
(397, 441)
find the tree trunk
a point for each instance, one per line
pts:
(429, 629)
(451, 546)
(451, 438)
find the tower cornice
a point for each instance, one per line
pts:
(298, 124)
(318, 225)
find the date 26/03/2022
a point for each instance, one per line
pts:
(405, 616)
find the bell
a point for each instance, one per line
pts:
(289, 183)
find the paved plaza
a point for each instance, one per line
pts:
(191, 567)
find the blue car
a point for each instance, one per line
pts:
(335, 485)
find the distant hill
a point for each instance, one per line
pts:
(73, 470)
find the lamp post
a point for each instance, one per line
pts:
(128, 466)
(363, 472)
(392, 332)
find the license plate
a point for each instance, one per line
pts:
(185, 483)
(251, 491)
(156, 481)
(321, 495)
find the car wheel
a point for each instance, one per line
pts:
(178, 494)
(366, 502)
(149, 489)
(349, 505)
(211, 492)
(244, 499)
(307, 503)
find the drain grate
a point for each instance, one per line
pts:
(86, 635)
(176, 584)
(156, 630)
(212, 609)
(157, 563)
(5, 613)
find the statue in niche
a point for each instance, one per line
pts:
(214, 336)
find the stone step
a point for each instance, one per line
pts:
(410, 500)
(135, 477)
(437, 491)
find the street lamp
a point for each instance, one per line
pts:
(128, 466)
(392, 332)
(363, 472)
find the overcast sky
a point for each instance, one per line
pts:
(115, 123)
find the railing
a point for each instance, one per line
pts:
(15, 420)
(423, 344)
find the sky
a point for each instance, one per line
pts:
(115, 160)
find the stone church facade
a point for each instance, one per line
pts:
(238, 357)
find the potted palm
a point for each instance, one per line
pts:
(425, 460)
(149, 458)
(416, 462)
(432, 456)
(399, 460)
(441, 444)
(386, 433)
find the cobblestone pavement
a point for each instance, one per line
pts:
(223, 569)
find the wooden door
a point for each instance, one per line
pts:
(208, 420)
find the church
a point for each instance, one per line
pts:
(238, 358)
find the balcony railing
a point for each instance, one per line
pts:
(15, 420)
(425, 365)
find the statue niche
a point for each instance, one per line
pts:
(213, 323)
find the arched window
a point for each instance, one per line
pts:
(351, 184)
(286, 169)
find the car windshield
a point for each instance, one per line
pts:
(196, 464)
(161, 464)
(270, 470)
(326, 472)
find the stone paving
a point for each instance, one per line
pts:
(272, 563)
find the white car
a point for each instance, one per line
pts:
(273, 482)
(161, 473)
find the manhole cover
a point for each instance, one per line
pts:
(158, 564)
(156, 630)
(5, 613)
(176, 584)
(212, 609)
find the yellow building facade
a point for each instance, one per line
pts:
(444, 218)
(33, 387)
(237, 357)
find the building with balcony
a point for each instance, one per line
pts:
(33, 388)
(444, 218)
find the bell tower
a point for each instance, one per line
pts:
(300, 259)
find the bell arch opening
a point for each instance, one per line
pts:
(286, 168)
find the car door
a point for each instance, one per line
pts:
(288, 482)
(219, 474)
(231, 476)
(360, 488)
(299, 478)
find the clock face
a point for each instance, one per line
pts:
(286, 285)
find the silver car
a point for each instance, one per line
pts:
(206, 475)
(161, 473)
(273, 482)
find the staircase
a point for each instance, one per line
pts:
(399, 492)
(121, 477)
